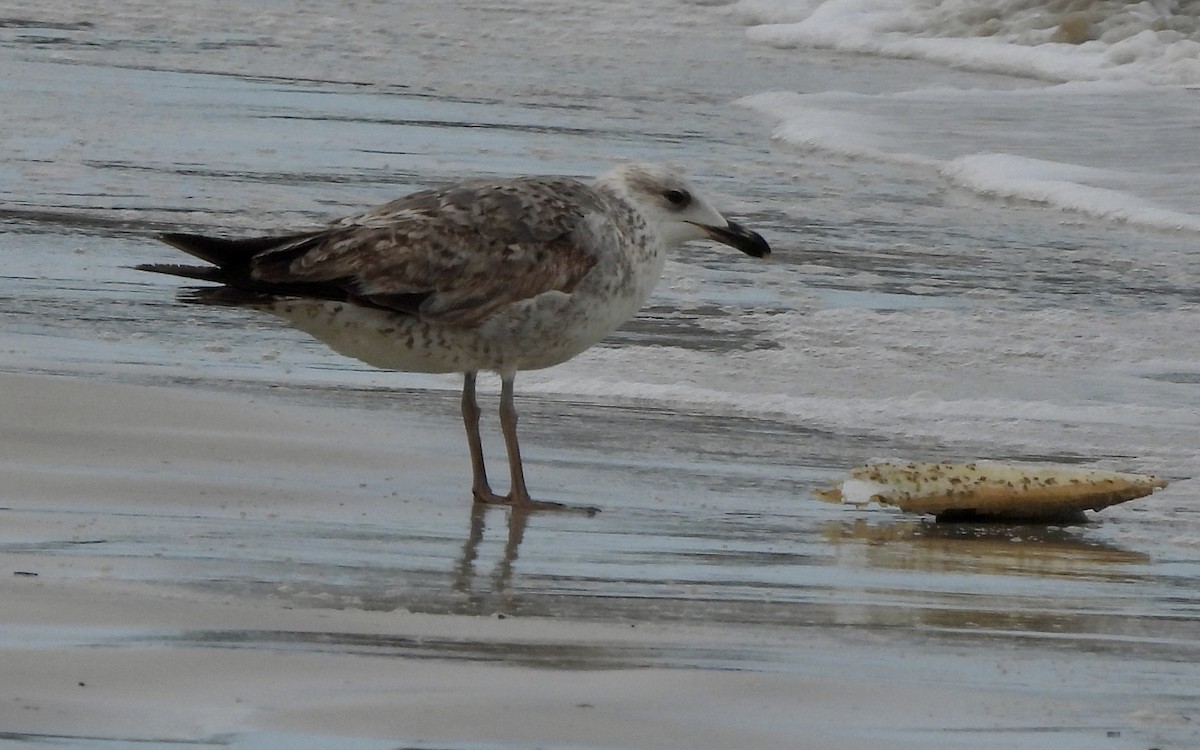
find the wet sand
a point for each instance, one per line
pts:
(187, 566)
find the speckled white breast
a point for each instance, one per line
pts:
(535, 333)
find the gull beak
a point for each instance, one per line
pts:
(737, 236)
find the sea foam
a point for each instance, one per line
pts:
(1111, 151)
(1060, 185)
(1106, 40)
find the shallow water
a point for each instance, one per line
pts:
(903, 316)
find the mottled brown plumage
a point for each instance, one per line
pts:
(463, 252)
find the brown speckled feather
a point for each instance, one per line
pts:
(454, 255)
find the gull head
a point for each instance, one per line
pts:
(671, 205)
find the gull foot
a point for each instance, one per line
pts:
(529, 505)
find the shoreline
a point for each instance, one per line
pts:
(224, 565)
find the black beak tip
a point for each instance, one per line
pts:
(735, 235)
(757, 247)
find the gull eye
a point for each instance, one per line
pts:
(678, 198)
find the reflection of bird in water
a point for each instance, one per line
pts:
(500, 275)
(464, 572)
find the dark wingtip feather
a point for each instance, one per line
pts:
(192, 244)
(226, 252)
(204, 273)
(224, 296)
(179, 239)
(231, 265)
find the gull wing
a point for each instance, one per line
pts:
(455, 255)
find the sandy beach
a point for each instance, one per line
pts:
(170, 577)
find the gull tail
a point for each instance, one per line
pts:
(230, 257)
(204, 273)
(231, 265)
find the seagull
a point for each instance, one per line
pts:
(495, 275)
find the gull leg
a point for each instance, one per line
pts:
(470, 411)
(518, 496)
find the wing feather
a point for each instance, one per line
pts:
(458, 254)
